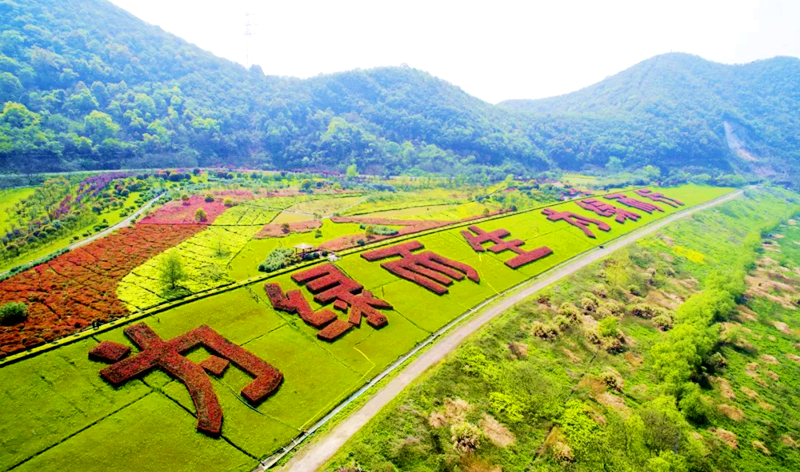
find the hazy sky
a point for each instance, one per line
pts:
(495, 50)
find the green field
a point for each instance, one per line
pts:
(62, 409)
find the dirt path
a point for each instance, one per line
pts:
(316, 455)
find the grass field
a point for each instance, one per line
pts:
(75, 416)
(8, 198)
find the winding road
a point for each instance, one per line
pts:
(317, 454)
(110, 229)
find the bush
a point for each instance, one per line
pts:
(209, 198)
(466, 437)
(600, 290)
(664, 321)
(608, 327)
(562, 322)
(588, 304)
(228, 202)
(200, 215)
(381, 230)
(13, 313)
(544, 331)
(277, 259)
(570, 311)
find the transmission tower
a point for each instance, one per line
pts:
(249, 23)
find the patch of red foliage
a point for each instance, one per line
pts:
(157, 353)
(79, 287)
(181, 212)
(658, 197)
(329, 284)
(523, 257)
(275, 230)
(579, 221)
(605, 209)
(427, 269)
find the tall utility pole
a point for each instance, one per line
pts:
(248, 34)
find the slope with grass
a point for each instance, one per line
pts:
(642, 361)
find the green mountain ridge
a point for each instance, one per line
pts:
(86, 85)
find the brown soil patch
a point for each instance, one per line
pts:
(731, 412)
(749, 392)
(666, 257)
(782, 327)
(571, 356)
(496, 432)
(768, 359)
(794, 357)
(762, 284)
(752, 369)
(589, 323)
(759, 446)
(634, 360)
(786, 439)
(455, 411)
(724, 387)
(697, 435)
(518, 350)
(666, 300)
(726, 436)
(773, 375)
(668, 240)
(766, 405)
(791, 222)
(747, 313)
(593, 384)
(276, 230)
(616, 402)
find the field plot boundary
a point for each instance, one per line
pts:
(319, 453)
(164, 306)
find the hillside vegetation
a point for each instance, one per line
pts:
(86, 85)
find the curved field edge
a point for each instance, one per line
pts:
(318, 375)
(550, 404)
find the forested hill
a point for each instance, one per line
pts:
(84, 84)
(750, 109)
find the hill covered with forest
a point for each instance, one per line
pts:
(86, 85)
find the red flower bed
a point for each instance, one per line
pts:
(167, 355)
(78, 288)
(427, 269)
(334, 330)
(579, 221)
(182, 212)
(293, 302)
(523, 257)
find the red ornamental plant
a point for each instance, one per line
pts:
(579, 221)
(166, 355)
(523, 257)
(634, 203)
(605, 209)
(658, 197)
(79, 287)
(427, 269)
(329, 284)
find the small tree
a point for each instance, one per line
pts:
(185, 198)
(228, 202)
(351, 172)
(13, 313)
(285, 227)
(209, 198)
(370, 232)
(200, 215)
(172, 269)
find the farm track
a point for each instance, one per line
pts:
(130, 219)
(317, 454)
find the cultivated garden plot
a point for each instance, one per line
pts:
(375, 304)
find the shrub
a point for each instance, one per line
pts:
(318, 234)
(588, 304)
(544, 331)
(200, 215)
(645, 310)
(600, 290)
(209, 198)
(694, 405)
(228, 202)
(466, 437)
(612, 379)
(604, 312)
(562, 322)
(608, 327)
(13, 313)
(634, 290)
(570, 311)
(277, 259)
(381, 230)
(664, 321)
(185, 197)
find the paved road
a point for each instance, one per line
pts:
(316, 455)
(110, 229)
(115, 227)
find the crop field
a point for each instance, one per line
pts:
(73, 407)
